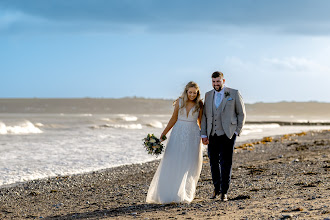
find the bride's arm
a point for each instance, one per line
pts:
(199, 120)
(173, 119)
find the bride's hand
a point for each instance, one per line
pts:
(161, 137)
(205, 141)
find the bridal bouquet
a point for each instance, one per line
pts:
(153, 145)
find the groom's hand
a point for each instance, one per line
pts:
(205, 141)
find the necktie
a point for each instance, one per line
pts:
(217, 100)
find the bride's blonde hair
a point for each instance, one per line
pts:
(184, 97)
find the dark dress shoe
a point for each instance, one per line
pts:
(215, 194)
(224, 197)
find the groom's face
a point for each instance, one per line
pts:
(218, 83)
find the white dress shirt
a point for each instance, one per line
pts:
(216, 93)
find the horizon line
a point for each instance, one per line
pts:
(165, 99)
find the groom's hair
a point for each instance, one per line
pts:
(217, 74)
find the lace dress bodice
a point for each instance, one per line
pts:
(192, 116)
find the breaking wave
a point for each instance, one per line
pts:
(126, 126)
(253, 128)
(155, 124)
(129, 118)
(24, 128)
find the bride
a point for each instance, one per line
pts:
(178, 172)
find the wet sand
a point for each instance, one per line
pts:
(275, 178)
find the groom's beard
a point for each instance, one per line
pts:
(219, 88)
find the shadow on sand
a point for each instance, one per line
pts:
(115, 212)
(129, 210)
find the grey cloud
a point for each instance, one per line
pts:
(296, 16)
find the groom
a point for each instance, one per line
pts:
(223, 119)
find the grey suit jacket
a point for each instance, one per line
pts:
(232, 112)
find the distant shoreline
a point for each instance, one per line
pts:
(142, 98)
(301, 110)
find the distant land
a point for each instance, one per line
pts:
(151, 106)
(87, 105)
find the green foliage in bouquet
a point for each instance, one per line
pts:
(153, 145)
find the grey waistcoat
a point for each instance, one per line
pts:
(217, 123)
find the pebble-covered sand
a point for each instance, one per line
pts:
(283, 177)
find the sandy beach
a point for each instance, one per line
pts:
(278, 177)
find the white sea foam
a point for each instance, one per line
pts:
(258, 128)
(39, 124)
(86, 115)
(129, 118)
(71, 151)
(246, 131)
(155, 124)
(106, 119)
(125, 126)
(23, 128)
(3, 128)
(261, 126)
(122, 126)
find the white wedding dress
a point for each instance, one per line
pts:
(178, 172)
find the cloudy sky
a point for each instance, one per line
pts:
(270, 50)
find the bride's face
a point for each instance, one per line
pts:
(192, 93)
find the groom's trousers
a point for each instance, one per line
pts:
(220, 152)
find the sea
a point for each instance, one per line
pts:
(46, 138)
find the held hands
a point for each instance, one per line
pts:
(205, 141)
